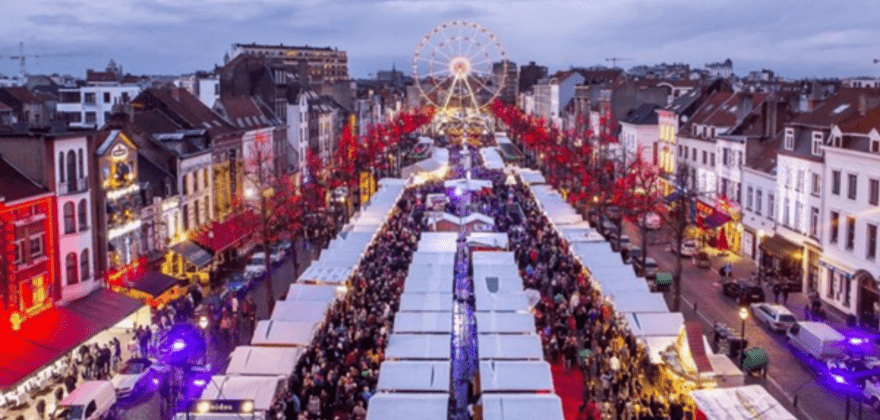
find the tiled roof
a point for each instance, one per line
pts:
(4, 107)
(761, 154)
(682, 103)
(862, 124)
(837, 108)
(191, 110)
(21, 94)
(245, 112)
(16, 185)
(100, 76)
(722, 108)
(643, 115)
(154, 121)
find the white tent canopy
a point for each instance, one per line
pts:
(510, 347)
(385, 406)
(320, 272)
(438, 242)
(531, 176)
(655, 324)
(627, 302)
(502, 302)
(505, 323)
(522, 407)
(491, 158)
(325, 293)
(464, 185)
(284, 333)
(432, 259)
(624, 286)
(414, 376)
(515, 376)
(418, 347)
(300, 310)
(489, 239)
(657, 344)
(260, 389)
(423, 323)
(740, 403)
(265, 361)
(425, 302)
(425, 279)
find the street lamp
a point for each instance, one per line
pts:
(203, 324)
(743, 314)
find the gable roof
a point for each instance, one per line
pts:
(837, 108)
(644, 114)
(862, 124)
(761, 154)
(16, 185)
(246, 112)
(191, 110)
(683, 102)
(21, 94)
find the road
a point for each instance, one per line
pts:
(148, 406)
(789, 376)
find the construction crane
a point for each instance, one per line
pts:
(614, 60)
(22, 57)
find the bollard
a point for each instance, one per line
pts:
(695, 306)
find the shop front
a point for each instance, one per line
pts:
(719, 224)
(780, 256)
(837, 285)
(187, 260)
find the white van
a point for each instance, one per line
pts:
(92, 400)
(817, 339)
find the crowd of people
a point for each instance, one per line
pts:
(338, 374)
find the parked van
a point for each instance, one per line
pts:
(92, 400)
(817, 339)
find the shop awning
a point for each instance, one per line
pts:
(715, 219)
(193, 253)
(153, 283)
(780, 247)
(694, 333)
(222, 235)
(55, 332)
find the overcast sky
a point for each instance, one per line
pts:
(796, 38)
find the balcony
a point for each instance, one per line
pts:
(81, 185)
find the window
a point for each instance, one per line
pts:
(197, 220)
(84, 265)
(787, 178)
(758, 202)
(81, 172)
(725, 158)
(89, 98)
(835, 182)
(60, 166)
(814, 222)
(705, 157)
(37, 246)
(771, 206)
(786, 213)
(694, 154)
(197, 180)
(815, 184)
(749, 196)
(91, 117)
(70, 268)
(872, 242)
(680, 147)
(875, 146)
(850, 232)
(873, 192)
(835, 222)
(185, 217)
(789, 138)
(800, 181)
(106, 97)
(206, 178)
(69, 218)
(712, 159)
(798, 213)
(817, 143)
(19, 251)
(82, 214)
(186, 184)
(851, 186)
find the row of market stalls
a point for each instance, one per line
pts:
(677, 347)
(257, 373)
(434, 167)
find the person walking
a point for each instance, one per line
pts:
(776, 291)
(785, 295)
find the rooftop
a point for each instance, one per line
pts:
(16, 185)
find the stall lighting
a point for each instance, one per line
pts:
(199, 382)
(127, 228)
(203, 407)
(856, 341)
(247, 407)
(114, 194)
(839, 379)
(178, 345)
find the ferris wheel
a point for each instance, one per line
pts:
(459, 67)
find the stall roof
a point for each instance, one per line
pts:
(427, 280)
(307, 292)
(740, 403)
(505, 323)
(433, 258)
(423, 323)
(260, 389)
(464, 184)
(656, 344)
(418, 347)
(284, 333)
(321, 272)
(510, 347)
(385, 406)
(414, 376)
(522, 407)
(530, 176)
(308, 311)
(488, 239)
(624, 286)
(654, 324)
(434, 242)
(493, 258)
(626, 302)
(425, 302)
(502, 302)
(263, 361)
(491, 158)
(515, 376)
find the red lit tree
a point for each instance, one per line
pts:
(639, 193)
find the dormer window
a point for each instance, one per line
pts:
(789, 139)
(817, 143)
(837, 140)
(875, 145)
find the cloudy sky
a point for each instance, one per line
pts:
(796, 38)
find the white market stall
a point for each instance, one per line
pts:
(284, 333)
(263, 361)
(438, 242)
(432, 259)
(418, 347)
(320, 272)
(655, 324)
(515, 376)
(488, 239)
(613, 286)
(300, 310)
(423, 323)
(502, 302)
(315, 292)
(425, 302)
(414, 376)
(429, 279)
(531, 176)
(522, 407)
(468, 185)
(262, 390)
(389, 406)
(626, 302)
(491, 158)
(740, 403)
(510, 347)
(505, 323)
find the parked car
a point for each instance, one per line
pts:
(613, 212)
(277, 254)
(256, 266)
(607, 228)
(648, 270)
(92, 400)
(871, 391)
(817, 339)
(703, 260)
(688, 248)
(650, 221)
(744, 292)
(618, 243)
(285, 245)
(631, 253)
(776, 317)
(239, 284)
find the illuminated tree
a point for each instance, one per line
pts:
(679, 217)
(639, 193)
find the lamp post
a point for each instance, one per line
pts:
(203, 324)
(743, 315)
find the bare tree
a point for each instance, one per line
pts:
(639, 193)
(679, 217)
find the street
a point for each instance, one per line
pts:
(147, 406)
(789, 376)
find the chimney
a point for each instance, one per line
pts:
(863, 103)
(175, 93)
(745, 105)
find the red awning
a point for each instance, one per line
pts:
(698, 350)
(221, 235)
(54, 332)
